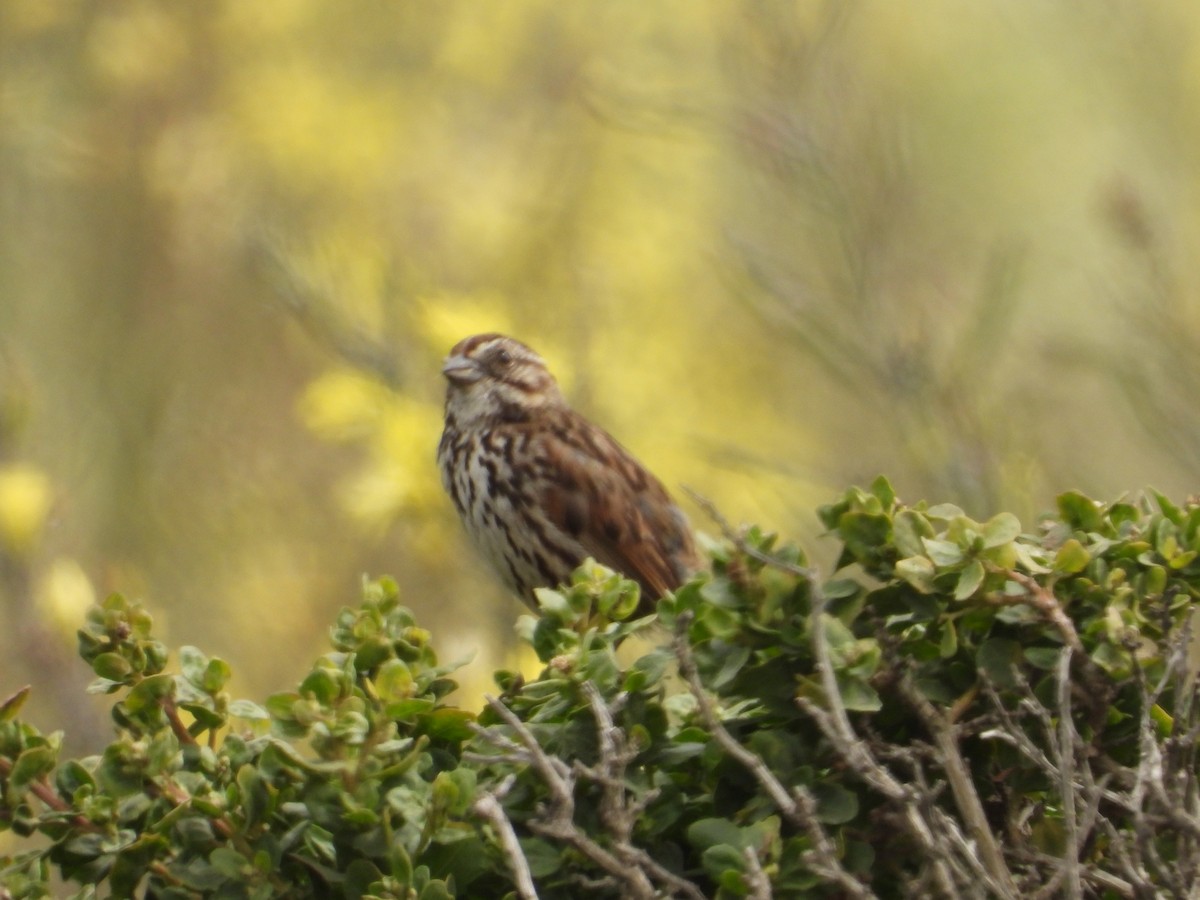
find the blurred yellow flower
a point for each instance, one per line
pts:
(448, 318)
(343, 404)
(65, 593)
(25, 499)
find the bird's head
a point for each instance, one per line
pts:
(493, 377)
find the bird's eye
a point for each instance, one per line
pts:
(503, 357)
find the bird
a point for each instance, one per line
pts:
(540, 488)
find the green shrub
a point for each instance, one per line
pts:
(968, 709)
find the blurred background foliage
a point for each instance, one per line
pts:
(775, 247)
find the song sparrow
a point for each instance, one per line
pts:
(540, 488)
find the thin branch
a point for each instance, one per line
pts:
(728, 532)
(758, 882)
(42, 789)
(631, 868)
(1043, 600)
(750, 761)
(1097, 686)
(171, 709)
(488, 807)
(555, 774)
(1066, 785)
(613, 760)
(834, 722)
(798, 806)
(835, 725)
(966, 798)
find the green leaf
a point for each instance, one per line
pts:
(1163, 720)
(554, 604)
(733, 659)
(909, 527)
(841, 589)
(647, 671)
(945, 511)
(215, 676)
(1000, 529)
(619, 600)
(30, 766)
(1182, 560)
(948, 645)
(394, 681)
(1043, 657)
(969, 580)
(254, 793)
(917, 571)
(323, 685)
(998, 657)
(882, 488)
(864, 534)
(449, 724)
(149, 692)
(360, 875)
(720, 592)
(1079, 511)
(73, 776)
(409, 710)
(246, 709)
(1025, 555)
(543, 857)
(229, 862)
(205, 715)
(836, 632)
(13, 703)
(112, 666)
(435, 890)
(835, 804)
(857, 694)
(943, 553)
(705, 833)
(192, 663)
(1155, 580)
(1071, 557)
(1169, 509)
(725, 863)
(282, 705)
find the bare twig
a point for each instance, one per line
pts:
(1012, 733)
(728, 532)
(798, 805)
(757, 880)
(619, 810)
(614, 758)
(834, 721)
(488, 807)
(171, 710)
(966, 798)
(1066, 784)
(1097, 686)
(42, 789)
(835, 725)
(750, 761)
(627, 866)
(1043, 600)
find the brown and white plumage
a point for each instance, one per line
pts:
(540, 488)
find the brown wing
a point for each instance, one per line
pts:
(619, 512)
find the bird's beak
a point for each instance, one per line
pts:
(461, 370)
